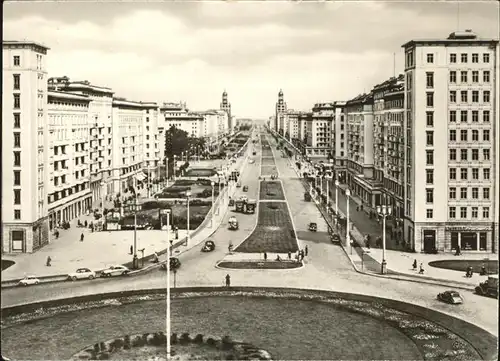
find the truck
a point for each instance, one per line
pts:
(488, 287)
(251, 204)
(240, 205)
(233, 223)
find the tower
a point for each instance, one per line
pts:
(226, 106)
(280, 110)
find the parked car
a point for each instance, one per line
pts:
(238, 185)
(452, 297)
(335, 238)
(81, 273)
(118, 270)
(174, 264)
(313, 227)
(209, 246)
(488, 287)
(28, 280)
(245, 188)
(244, 199)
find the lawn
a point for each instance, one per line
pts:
(260, 265)
(267, 152)
(274, 232)
(200, 172)
(268, 161)
(6, 264)
(462, 264)
(180, 187)
(268, 170)
(271, 191)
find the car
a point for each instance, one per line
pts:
(82, 273)
(117, 270)
(452, 297)
(313, 227)
(245, 188)
(335, 238)
(28, 280)
(251, 161)
(244, 198)
(209, 246)
(238, 185)
(174, 264)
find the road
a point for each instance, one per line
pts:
(326, 267)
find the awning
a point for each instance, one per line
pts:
(139, 177)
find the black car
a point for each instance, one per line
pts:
(313, 227)
(174, 264)
(452, 297)
(209, 246)
(335, 238)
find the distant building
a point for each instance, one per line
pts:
(225, 105)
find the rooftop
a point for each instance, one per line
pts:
(455, 38)
(17, 43)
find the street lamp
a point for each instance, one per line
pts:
(188, 194)
(102, 200)
(168, 286)
(383, 211)
(336, 202)
(348, 236)
(134, 207)
(213, 205)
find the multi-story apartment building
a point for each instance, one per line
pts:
(100, 131)
(452, 143)
(25, 147)
(68, 125)
(291, 126)
(178, 115)
(360, 138)
(339, 141)
(225, 106)
(280, 111)
(317, 131)
(128, 139)
(151, 139)
(388, 146)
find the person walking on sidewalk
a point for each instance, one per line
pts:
(421, 269)
(228, 280)
(81, 237)
(415, 264)
(131, 250)
(306, 250)
(48, 261)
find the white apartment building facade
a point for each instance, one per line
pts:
(452, 142)
(315, 127)
(68, 124)
(25, 147)
(339, 141)
(151, 140)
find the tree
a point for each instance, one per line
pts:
(176, 142)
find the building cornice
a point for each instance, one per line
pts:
(53, 94)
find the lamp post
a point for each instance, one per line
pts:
(336, 202)
(135, 207)
(168, 286)
(188, 238)
(149, 178)
(102, 199)
(348, 236)
(327, 191)
(213, 205)
(383, 211)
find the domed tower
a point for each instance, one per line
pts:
(280, 110)
(226, 106)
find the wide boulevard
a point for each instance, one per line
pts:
(326, 267)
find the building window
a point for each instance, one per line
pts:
(17, 177)
(475, 116)
(486, 154)
(475, 76)
(463, 58)
(463, 96)
(475, 155)
(463, 135)
(463, 116)
(17, 196)
(486, 76)
(430, 58)
(463, 193)
(429, 213)
(463, 77)
(429, 78)
(453, 193)
(17, 60)
(453, 173)
(17, 214)
(463, 212)
(430, 119)
(429, 157)
(486, 193)
(475, 193)
(486, 58)
(486, 212)
(453, 154)
(430, 99)
(17, 101)
(453, 76)
(453, 135)
(452, 211)
(17, 140)
(17, 120)
(475, 96)
(429, 176)
(453, 96)
(486, 96)
(475, 173)
(17, 159)
(17, 81)
(453, 116)
(486, 135)
(429, 195)
(486, 116)
(474, 212)
(463, 173)
(475, 58)
(430, 137)
(486, 173)
(453, 58)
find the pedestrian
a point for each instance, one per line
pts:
(228, 280)
(265, 256)
(306, 250)
(81, 237)
(131, 249)
(421, 269)
(289, 255)
(48, 261)
(86, 224)
(415, 265)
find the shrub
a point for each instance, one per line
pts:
(198, 339)
(173, 339)
(185, 339)
(150, 205)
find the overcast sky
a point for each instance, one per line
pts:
(192, 51)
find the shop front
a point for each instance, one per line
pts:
(470, 240)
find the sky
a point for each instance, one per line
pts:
(192, 51)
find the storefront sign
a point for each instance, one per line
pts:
(467, 229)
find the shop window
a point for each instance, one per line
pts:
(482, 241)
(17, 241)
(454, 240)
(469, 241)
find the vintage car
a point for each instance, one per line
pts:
(28, 280)
(81, 273)
(251, 204)
(231, 202)
(313, 227)
(245, 188)
(117, 270)
(233, 223)
(452, 297)
(174, 264)
(238, 185)
(335, 238)
(209, 246)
